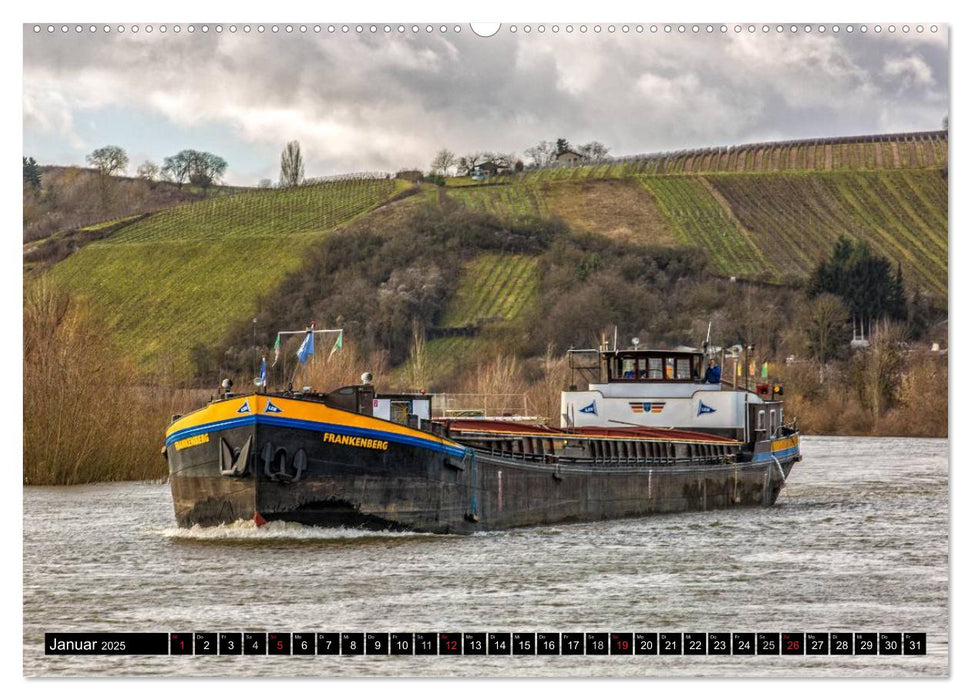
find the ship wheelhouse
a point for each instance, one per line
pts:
(652, 366)
(662, 388)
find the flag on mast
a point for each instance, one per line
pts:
(307, 346)
(263, 372)
(338, 344)
(276, 350)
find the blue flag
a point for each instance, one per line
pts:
(306, 347)
(263, 373)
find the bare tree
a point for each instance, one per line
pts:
(541, 154)
(108, 160)
(207, 169)
(877, 370)
(198, 167)
(594, 151)
(505, 161)
(148, 171)
(467, 163)
(176, 168)
(824, 324)
(417, 368)
(265, 183)
(291, 165)
(443, 162)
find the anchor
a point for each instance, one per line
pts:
(275, 464)
(231, 463)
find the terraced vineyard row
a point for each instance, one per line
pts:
(442, 352)
(315, 207)
(700, 221)
(795, 218)
(493, 287)
(880, 152)
(518, 200)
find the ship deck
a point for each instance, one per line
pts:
(499, 428)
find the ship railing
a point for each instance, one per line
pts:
(494, 406)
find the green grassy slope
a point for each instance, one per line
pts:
(184, 276)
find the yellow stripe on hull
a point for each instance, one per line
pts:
(784, 443)
(295, 409)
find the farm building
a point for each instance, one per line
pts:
(487, 169)
(569, 158)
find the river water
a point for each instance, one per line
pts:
(858, 541)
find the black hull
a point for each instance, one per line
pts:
(415, 488)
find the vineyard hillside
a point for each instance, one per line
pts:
(770, 227)
(182, 277)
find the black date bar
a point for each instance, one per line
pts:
(106, 643)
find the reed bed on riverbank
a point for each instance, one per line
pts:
(86, 416)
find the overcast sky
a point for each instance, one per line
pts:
(389, 101)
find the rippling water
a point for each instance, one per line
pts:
(857, 542)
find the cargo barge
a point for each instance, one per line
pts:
(647, 435)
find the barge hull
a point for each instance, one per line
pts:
(303, 473)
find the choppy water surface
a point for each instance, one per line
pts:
(857, 542)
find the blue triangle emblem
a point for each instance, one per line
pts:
(244, 408)
(704, 408)
(591, 408)
(270, 408)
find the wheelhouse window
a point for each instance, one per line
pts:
(631, 367)
(683, 366)
(655, 368)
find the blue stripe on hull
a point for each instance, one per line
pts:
(778, 454)
(209, 427)
(361, 432)
(315, 427)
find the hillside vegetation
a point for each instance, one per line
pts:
(760, 226)
(183, 277)
(543, 256)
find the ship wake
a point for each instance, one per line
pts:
(281, 531)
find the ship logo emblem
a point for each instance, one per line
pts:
(244, 408)
(704, 408)
(271, 408)
(591, 408)
(647, 406)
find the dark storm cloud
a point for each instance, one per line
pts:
(377, 101)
